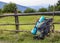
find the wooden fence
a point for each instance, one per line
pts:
(27, 14)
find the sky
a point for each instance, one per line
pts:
(31, 2)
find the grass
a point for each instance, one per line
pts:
(26, 37)
(25, 19)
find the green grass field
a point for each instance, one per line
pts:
(27, 37)
(25, 19)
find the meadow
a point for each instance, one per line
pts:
(24, 20)
(24, 37)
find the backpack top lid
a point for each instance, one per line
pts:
(41, 19)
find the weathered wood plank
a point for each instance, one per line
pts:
(26, 24)
(57, 31)
(16, 30)
(30, 14)
(16, 21)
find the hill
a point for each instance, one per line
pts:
(20, 7)
(37, 7)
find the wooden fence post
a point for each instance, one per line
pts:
(16, 21)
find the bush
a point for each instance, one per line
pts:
(42, 10)
(19, 11)
(29, 10)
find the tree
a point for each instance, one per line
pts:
(58, 3)
(9, 8)
(29, 10)
(0, 11)
(58, 8)
(55, 7)
(50, 8)
(42, 10)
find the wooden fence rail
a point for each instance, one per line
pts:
(28, 14)
(27, 24)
